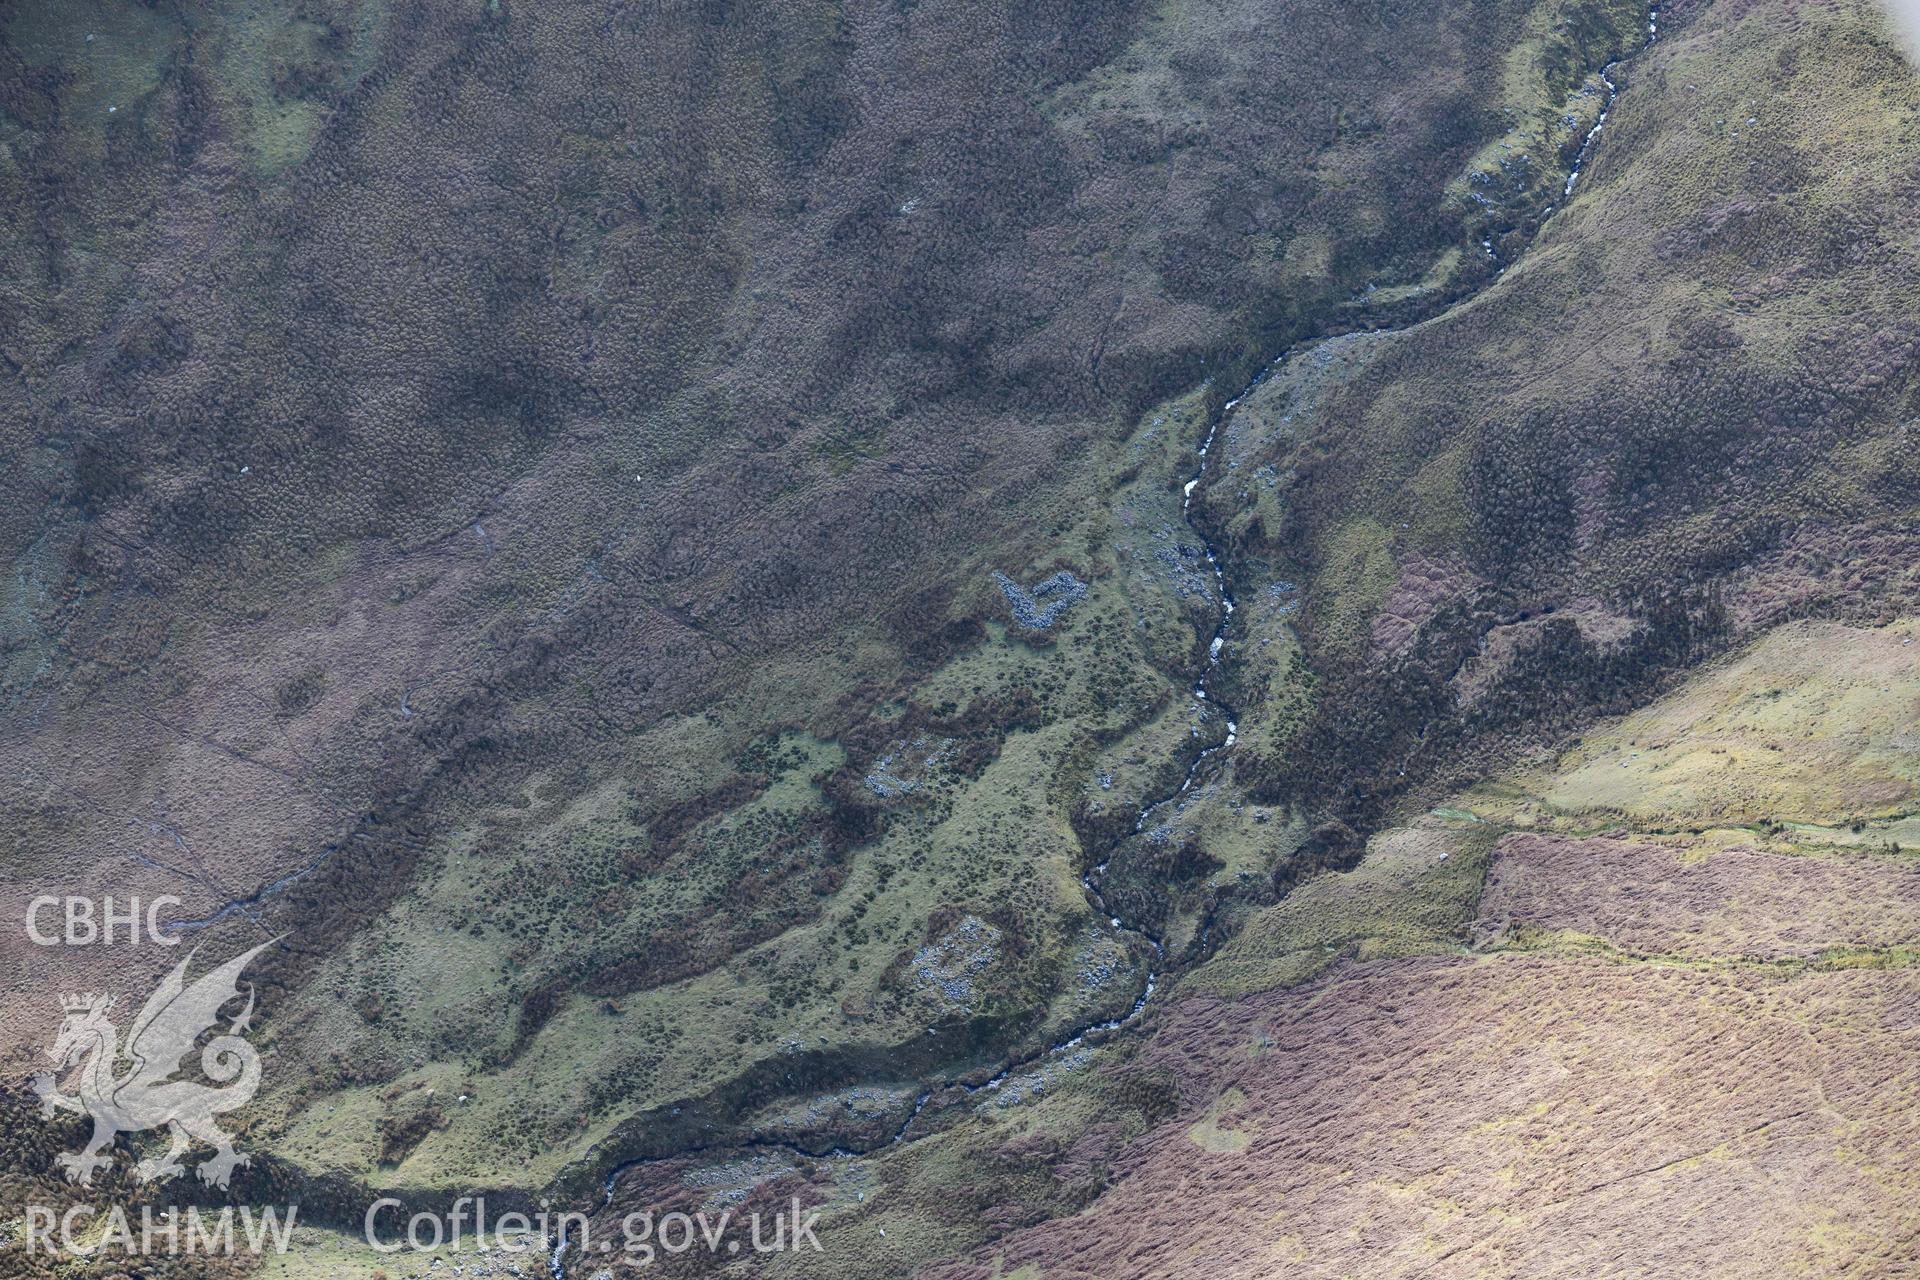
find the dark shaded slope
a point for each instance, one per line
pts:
(1685, 414)
(437, 422)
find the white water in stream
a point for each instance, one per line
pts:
(1092, 880)
(1613, 95)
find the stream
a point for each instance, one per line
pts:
(1092, 880)
(1613, 95)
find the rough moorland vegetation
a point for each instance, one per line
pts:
(507, 473)
(648, 543)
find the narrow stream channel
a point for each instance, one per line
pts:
(1613, 95)
(1093, 878)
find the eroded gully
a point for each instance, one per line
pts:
(1099, 1031)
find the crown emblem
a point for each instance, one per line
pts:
(83, 1003)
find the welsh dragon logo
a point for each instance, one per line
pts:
(145, 1096)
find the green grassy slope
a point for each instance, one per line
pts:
(496, 484)
(544, 475)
